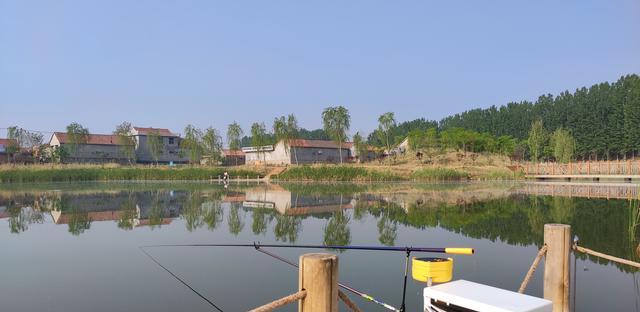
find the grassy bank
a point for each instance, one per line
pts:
(62, 174)
(439, 174)
(336, 173)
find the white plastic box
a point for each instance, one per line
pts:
(465, 296)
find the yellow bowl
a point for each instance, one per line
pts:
(440, 270)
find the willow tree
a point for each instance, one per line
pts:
(386, 122)
(286, 130)
(77, 134)
(259, 137)
(336, 122)
(126, 142)
(234, 137)
(212, 145)
(192, 142)
(156, 145)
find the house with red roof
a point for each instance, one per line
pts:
(98, 148)
(298, 151)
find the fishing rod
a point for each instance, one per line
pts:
(351, 289)
(408, 250)
(446, 250)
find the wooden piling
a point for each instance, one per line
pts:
(318, 275)
(557, 237)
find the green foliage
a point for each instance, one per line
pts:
(59, 154)
(192, 143)
(212, 145)
(336, 122)
(386, 122)
(603, 118)
(362, 150)
(28, 175)
(259, 136)
(155, 144)
(286, 129)
(401, 131)
(563, 145)
(127, 143)
(234, 133)
(77, 135)
(336, 173)
(537, 140)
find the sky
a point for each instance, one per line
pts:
(209, 63)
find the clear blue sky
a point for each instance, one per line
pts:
(171, 63)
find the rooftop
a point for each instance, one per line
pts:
(161, 131)
(94, 139)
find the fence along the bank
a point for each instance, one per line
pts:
(612, 167)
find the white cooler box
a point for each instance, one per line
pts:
(465, 296)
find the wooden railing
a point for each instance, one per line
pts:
(615, 167)
(588, 190)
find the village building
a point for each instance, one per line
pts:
(170, 146)
(98, 148)
(4, 148)
(233, 157)
(298, 151)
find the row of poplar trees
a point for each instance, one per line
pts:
(604, 119)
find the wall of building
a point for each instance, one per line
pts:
(277, 156)
(304, 155)
(90, 153)
(170, 152)
(310, 155)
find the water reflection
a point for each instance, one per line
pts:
(511, 213)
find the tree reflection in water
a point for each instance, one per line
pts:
(337, 231)
(79, 220)
(192, 211)
(156, 211)
(235, 221)
(127, 213)
(259, 225)
(213, 214)
(287, 228)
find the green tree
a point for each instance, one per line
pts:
(234, 136)
(259, 137)
(361, 148)
(563, 145)
(336, 122)
(126, 142)
(537, 139)
(286, 130)
(386, 122)
(212, 145)
(77, 135)
(156, 145)
(192, 142)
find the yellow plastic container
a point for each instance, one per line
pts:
(440, 270)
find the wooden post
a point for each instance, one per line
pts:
(557, 237)
(318, 275)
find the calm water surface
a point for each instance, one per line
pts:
(75, 247)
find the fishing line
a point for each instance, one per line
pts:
(353, 290)
(180, 280)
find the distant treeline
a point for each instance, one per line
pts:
(604, 120)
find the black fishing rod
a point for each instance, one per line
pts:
(447, 250)
(408, 250)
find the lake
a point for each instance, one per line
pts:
(76, 247)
